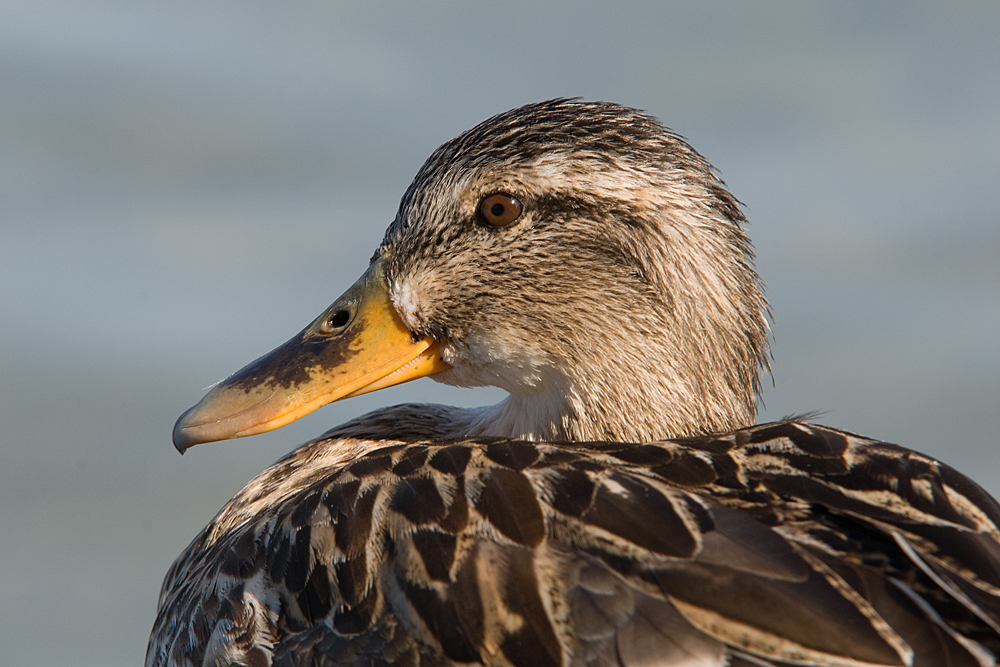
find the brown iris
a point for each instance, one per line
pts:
(499, 209)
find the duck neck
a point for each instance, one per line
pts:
(646, 406)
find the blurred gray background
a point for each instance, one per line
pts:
(185, 185)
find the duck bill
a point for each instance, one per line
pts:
(357, 345)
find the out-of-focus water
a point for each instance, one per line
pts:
(184, 186)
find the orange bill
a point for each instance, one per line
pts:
(357, 345)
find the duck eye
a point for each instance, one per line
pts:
(499, 209)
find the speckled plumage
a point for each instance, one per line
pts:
(569, 525)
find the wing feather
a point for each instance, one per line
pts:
(784, 544)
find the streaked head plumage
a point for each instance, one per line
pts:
(628, 263)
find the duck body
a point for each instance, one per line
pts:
(780, 544)
(619, 508)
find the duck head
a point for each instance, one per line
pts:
(578, 255)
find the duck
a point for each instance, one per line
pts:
(620, 507)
